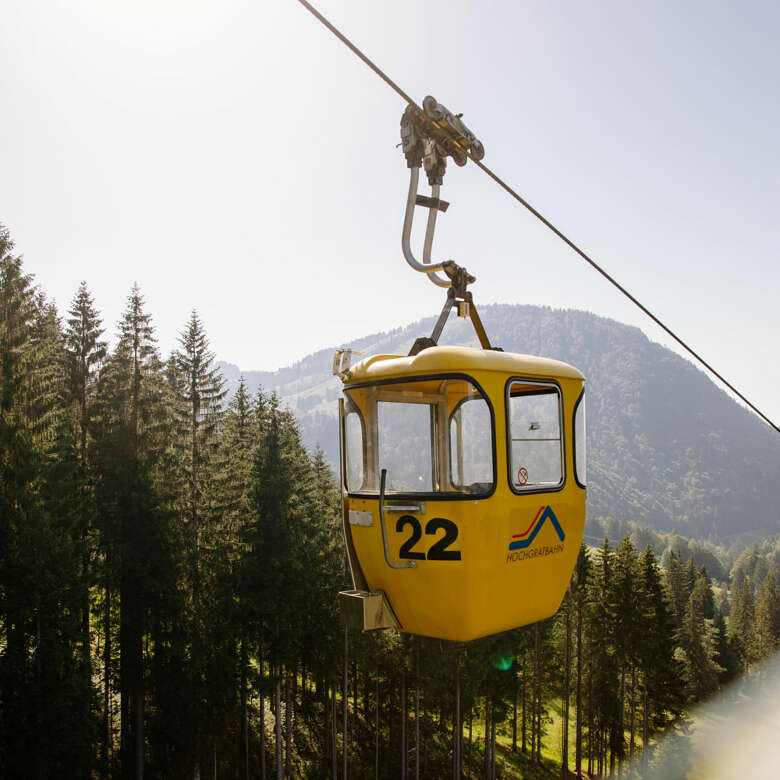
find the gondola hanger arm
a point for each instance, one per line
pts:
(428, 136)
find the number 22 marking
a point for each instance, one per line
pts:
(438, 551)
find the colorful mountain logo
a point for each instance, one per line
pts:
(523, 540)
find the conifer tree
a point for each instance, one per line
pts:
(690, 575)
(18, 460)
(84, 352)
(625, 636)
(725, 657)
(202, 390)
(741, 624)
(199, 390)
(676, 583)
(41, 680)
(579, 586)
(766, 624)
(131, 443)
(603, 695)
(565, 624)
(697, 641)
(18, 312)
(702, 595)
(237, 443)
(323, 563)
(278, 509)
(660, 671)
(235, 484)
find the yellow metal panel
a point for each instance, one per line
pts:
(462, 359)
(492, 588)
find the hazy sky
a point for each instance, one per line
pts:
(235, 158)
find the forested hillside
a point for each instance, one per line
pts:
(666, 447)
(169, 565)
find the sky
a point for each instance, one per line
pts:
(234, 158)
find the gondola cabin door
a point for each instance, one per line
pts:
(464, 487)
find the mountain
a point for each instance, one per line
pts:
(667, 448)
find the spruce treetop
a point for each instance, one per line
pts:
(136, 332)
(204, 387)
(82, 335)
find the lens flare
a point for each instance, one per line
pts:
(502, 661)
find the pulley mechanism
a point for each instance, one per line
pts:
(428, 137)
(433, 134)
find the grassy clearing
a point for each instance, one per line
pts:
(518, 765)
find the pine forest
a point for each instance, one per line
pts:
(169, 564)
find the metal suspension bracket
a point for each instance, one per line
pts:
(464, 303)
(428, 137)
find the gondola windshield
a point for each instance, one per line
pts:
(433, 436)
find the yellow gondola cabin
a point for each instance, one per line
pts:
(463, 476)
